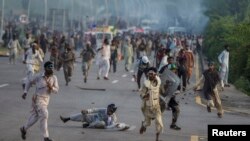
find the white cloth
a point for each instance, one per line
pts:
(104, 66)
(14, 46)
(224, 60)
(224, 69)
(164, 61)
(106, 52)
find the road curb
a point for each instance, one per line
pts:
(225, 108)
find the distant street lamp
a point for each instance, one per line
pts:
(2, 19)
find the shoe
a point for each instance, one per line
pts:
(64, 119)
(85, 125)
(98, 78)
(209, 109)
(183, 89)
(175, 127)
(47, 139)
(126, 69)
(23, 86)
(142, 129)
(85, 80)
(105, 78)
(222, 88)
(219, 115)
(227, 85)
(168, 108)
(23, 132)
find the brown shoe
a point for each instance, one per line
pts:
(219, 115)
(209, 109)
(142, 129)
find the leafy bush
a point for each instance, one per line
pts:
(243, 84)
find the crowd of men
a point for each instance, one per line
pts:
(155, 56)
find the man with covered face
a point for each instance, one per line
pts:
(46, 84)
(68, 58)
(150, 102)
(103, 118)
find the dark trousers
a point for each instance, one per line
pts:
(182, 73)
(139, 75)
(113, 63)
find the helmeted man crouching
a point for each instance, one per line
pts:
(150, 102)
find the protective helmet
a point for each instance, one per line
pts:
(112, 107)
(145, 59)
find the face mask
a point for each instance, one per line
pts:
(49, 72)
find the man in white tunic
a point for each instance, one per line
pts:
(224, 68)
(104, 64)
(29, 59)
(46, 84)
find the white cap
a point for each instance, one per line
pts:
(145, 59)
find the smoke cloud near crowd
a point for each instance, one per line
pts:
(160, 13)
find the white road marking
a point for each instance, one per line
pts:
(124, 75)
(115, 81)
(3, 85)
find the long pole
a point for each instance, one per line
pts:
(72, 11)
(107, 20)
(53, 20)
(45, 13)
(2, 19)
(116, 8)
(63, 20)
(29, 9)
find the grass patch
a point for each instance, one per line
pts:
(243, 85)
